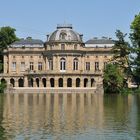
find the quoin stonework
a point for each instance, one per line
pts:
(63, 62)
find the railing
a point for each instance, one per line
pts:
(64, 26)
(66, 72)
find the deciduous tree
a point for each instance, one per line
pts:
(7, 37)
(135, 38)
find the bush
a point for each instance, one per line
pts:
(2, 87)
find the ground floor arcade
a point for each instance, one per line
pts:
(52, 81)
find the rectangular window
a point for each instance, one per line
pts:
(31, 66)
(22, 66)
(87, 65)
(39, 65)
(75, 64)
(13, 66)
(62, 46)
(96, 66)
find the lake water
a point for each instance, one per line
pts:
(69, 117)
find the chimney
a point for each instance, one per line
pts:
(47, 37)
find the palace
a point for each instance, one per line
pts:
(64, 61)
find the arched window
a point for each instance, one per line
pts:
(85, 82)
(62, 64)
(63, 36)
(52, 82)
(78, 82)
(60, 82)
(21, 82)
(75, 64)
(69, 82)
(44, 82)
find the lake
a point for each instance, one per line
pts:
(69, 117)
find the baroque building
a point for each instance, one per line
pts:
(63, 61)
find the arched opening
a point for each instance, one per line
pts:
(60, 82)
(37, 82)
(3, 81)
(78, 82)
(31, 82)
(92, 82)
(63, 36)
(52, 82)
(69, 82)
(85, 82)
(12, 82)
(21, 82)
(44, 82)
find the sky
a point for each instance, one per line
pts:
(92, 18)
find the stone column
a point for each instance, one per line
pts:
(25, 81)
(54, 62)
(8, 81)
(56, 82)
(73, 82)
(16, 83)
(64, 81)
(5, 64)
(34, 82)
(82, 82)
(48, 82)
(46, 68)
(40, 82)
(81, 63)
(89, 82)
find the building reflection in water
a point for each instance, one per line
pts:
(51, 113)
(57, 116)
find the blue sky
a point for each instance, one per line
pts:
(92, 18)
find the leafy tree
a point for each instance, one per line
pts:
(7, 37)
(135, 38)
(121, 52)
(113, 79)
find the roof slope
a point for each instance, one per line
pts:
(100, 41)
(28, 41)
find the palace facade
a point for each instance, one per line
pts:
(63, 61)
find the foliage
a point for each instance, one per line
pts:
(117, 74)
(135, 38)
(7, 37)
(3, 86)
(113, 79)
(121, 52)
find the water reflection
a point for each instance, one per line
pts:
(69, 116)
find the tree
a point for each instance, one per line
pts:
(7, 37)
(135, 38)
(121, 52)
(113, 79)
